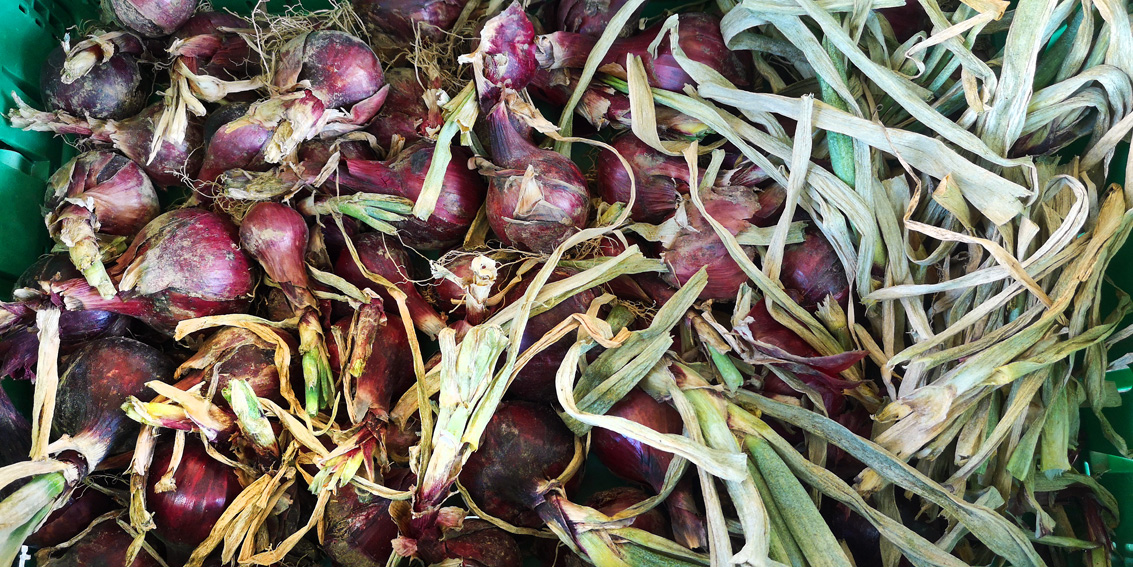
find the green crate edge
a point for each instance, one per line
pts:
(28, 158)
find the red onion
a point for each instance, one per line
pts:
(540, 197)
(85, 504)
(238, 144)
(98, 193)
(96, 78)
(590, 17)
(153, 18)
(233, 353)
(385, 257)
(405, 112)
(207, 47)
(406, 19)
(524, 446)
(342, 69)
(475, 544)
(696, 244)
(812, 271)
(614, 500)
(505, 58)
(638, 462)
(700, 39)
(659, 178)
(387, 371)
(15, 430)
(104, 546)
(536, 381)
(184, 264)
(462, 192)
(97, 381)
(604, 106)
(480, 277)
(203, 488)
(906, 20)
(359, 529)
(647, 287)
(132, 136)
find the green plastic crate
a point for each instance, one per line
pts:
(27, 159)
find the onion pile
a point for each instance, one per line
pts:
(570, 282)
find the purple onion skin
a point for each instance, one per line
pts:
(536, 381)
(388, 372)
(812, 271)
(659, 178)
(524, 446)
(97, 381)
(204, 489)
(75, 327)
(404, 113)
(386, 257)
(535, 213)
(342, 69)
(153, 18)
(699, 38)
(590, 17)
(104, 546)
(184, 264)
(206, 49)
(123, 197)
(359, 529)
(462, 193)
(276, 235)
(234, 354)
(476, 544)
(447, 293)
(112, 89)
(614, 500)
(15, 430)
(405, 19)
(237, 144)
(507, 50)
(133, 137)
(72, 518)
(698, 245)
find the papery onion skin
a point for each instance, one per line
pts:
(476, 543)
(405, 113)
(153, 18)
(184, 264)
(204, 488)
(359, 529)
(240, 143)
(75, 327)
(660, 179)
(447, 293)
(112, 89)
(540, 199)
(614, 500)
(85, 504)
(276, 236)
(462, 193)
(233, 353)
(407, 19)
(591, 17)
(386, 257)
(524, 446)
(341, 68)
(389, 369)
(173, 162)
(104, 546)
(536, 381)
(207, 49)
(122, 199)
(95, 384)
(507, 54)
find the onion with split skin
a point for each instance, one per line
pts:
(505, 59)
(98, 77)
(697, 245)
(387, 372)
(405, 112)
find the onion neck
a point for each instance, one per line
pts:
(510, 149)
(563, 50)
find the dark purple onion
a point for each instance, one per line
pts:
(405, 19)
(450, 297)
(233, 353)
(638, 462)
(85, 504)
(206, 49)
(405, 113)
(386, 257)
(811, 271)
(97, 381)
(104, 546)
(184, 264)
(535, 211)
(462, 192)
(388, 371)
(476, 544)
(15, 430)
(697, 245)
(276, 236)
(524, 446)
(341, 68)
(153, 18)
(204, 487)
(700, 39)
(614, 500)
(359, 529)
(237, 144)
(660, 179)
(591, 17)
(133, 137)
(117, 200)
(536, 381)
(85, 83)
(506, 54)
